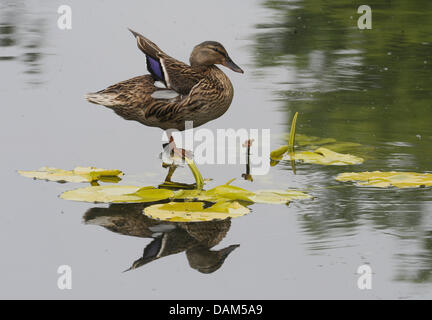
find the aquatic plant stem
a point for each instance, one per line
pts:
(291, 141)
(197, 175)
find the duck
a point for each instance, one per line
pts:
(173, 92)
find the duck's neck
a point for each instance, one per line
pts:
(201, 68)
(222, 79)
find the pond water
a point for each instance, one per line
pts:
(368, 87)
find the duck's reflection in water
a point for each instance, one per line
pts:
(194, 238)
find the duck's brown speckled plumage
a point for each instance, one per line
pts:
(204, 91)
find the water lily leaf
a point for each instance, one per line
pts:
(79, 174)
(309, 143)
(386, 179)
(117, 194)
(278, 196)
(304, 140)
(325, 156)
(150, 194)
(228, 192)
(195, 211)
(223, 192)
(344, 146)
(191, 195)
(239, 194)
(103, 194)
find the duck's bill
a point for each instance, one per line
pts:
(230, 64)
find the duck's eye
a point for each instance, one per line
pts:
(219, 51)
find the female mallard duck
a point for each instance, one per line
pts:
(200, 92)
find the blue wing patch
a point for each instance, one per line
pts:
(155, 68)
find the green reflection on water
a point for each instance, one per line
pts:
(371, 87)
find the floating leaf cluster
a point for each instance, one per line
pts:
(79, 174)
(315, 152)
(195, 211)
(311, 143)
(327, 157)
(117, 194)
(134, 194)
(387, 179)
(221, 202)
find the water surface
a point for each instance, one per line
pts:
(370, 87)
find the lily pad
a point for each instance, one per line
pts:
(328, 151)
(325, 156)
(150, 194)
(387, 179)
(117, 194)
(195, 211)
(278, 196)
(232, 193)
(226, 191)
(345, 147)
(311, 142)
(303, 140)
(79, 174)
(223, 193)
(190, 194)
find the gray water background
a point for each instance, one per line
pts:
(372, 89)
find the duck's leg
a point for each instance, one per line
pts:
(187, 156)
(171, 170)
(182, 153)
(169, 184)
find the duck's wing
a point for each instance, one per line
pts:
(200, 99)
(175, 74)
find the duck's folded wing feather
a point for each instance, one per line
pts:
(200, 96)
(175, 74)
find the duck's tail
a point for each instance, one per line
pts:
(105, 99)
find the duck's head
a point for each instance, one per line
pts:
(211, 52)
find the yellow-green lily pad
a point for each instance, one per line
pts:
(195, 211)
(226, 191)
(325, 156)
(117, 194)
(190, 194)
(387, 179)
(232, 193)
(222, 192)
(150, 194)
(278, 196)
(311, 142)
(79, 174)
(304, 140)
(345, 147)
